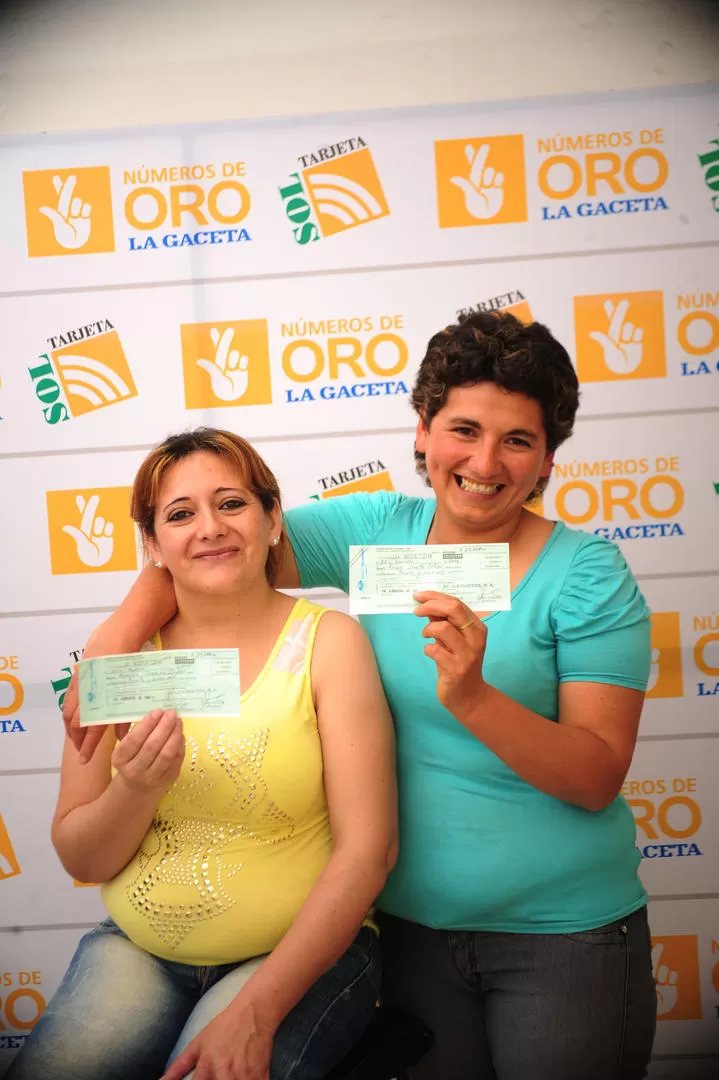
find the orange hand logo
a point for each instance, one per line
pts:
(68, 211)
(620, 336)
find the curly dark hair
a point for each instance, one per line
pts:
(494, 346)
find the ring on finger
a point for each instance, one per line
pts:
(464, 626)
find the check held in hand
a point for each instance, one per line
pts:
(384, 578)
(196, 683)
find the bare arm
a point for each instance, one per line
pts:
(358, 754)
(149, 604)
(582, 759)
(90, 843)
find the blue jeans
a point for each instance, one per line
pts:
(525, 1006)
(121, 1013)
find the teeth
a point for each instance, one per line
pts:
(478, 489)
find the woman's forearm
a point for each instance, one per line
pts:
(566, 762)
(149, 604)
(325, 927)
(97, 840)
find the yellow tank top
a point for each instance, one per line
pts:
(238, 841)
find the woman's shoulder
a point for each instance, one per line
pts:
(584, 552)
(322, 627)
(344, 672)
(340, 637)
(595, 578)
(334, 624)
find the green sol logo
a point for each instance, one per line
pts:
(710, 162)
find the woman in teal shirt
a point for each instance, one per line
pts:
(514, 922)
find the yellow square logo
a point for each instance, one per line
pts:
(665, 676)
(675, 964)
(94, 373)
(91, 530)
(9, 866)
(346, 192)
(521, 311)
(68, 211)
(226, 363)
(480, 181)
(620, 336)
(380, 481)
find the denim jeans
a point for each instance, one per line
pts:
(121, 1013)
(525, 1006)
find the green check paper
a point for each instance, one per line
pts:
(197, 683)
(384, 577)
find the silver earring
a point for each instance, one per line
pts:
(276, 541)
(159, 565)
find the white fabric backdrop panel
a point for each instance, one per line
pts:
(672, 790)
(338, 353)
(550, 171)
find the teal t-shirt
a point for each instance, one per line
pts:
(480, 849)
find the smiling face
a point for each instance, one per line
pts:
(485, 451)
(211, 531)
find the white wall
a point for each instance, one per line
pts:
(83, 64)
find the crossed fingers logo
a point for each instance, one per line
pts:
(675, 966)
(68, 211)
(226, 363)
(91, 530)
(480, 181)
(620, 336)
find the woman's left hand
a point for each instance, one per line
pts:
(460, 639)
(236, 1045)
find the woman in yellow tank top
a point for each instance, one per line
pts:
(239, 859)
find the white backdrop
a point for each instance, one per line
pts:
(272, 277)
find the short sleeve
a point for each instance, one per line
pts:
(601, 620)
(321, 532)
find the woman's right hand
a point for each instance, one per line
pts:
(149, 758)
